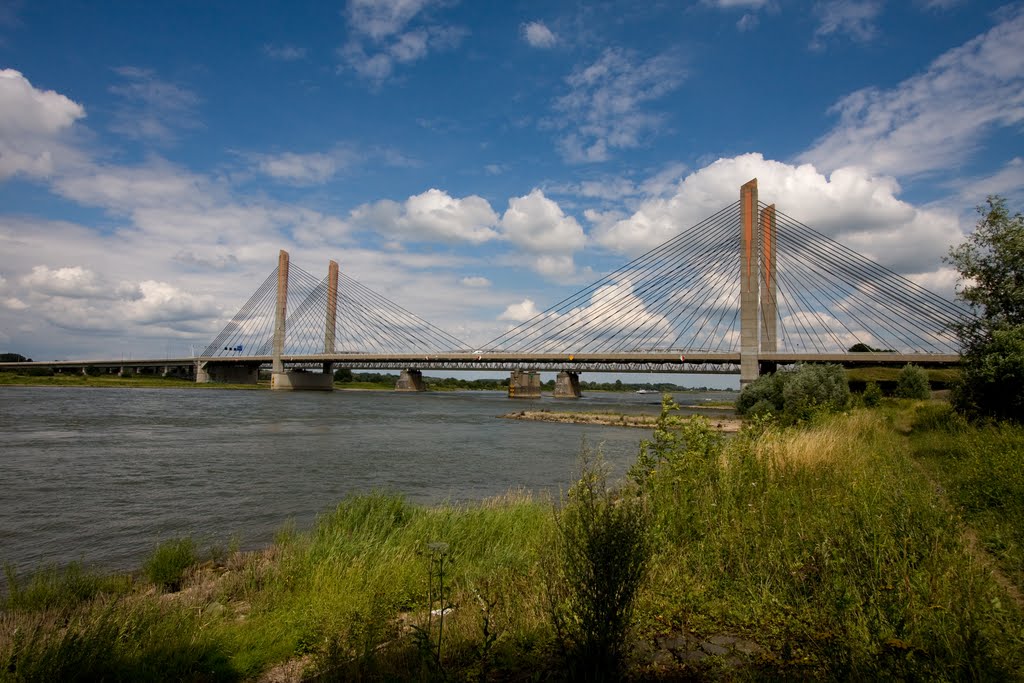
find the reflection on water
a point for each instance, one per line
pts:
(102, 474)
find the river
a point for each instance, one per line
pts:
(102, 474)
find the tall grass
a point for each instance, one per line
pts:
(980, 468)
(825, 545)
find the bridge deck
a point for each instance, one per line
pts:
(674, 361)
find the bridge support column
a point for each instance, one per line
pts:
(331, 319)
(567, 385)
(749, 271)
(524, 384)
(297, 380)
(410, 380)
(227, 374)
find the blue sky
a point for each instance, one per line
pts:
(473, 161)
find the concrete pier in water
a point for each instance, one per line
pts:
(567, 385)
(410, 380)
(524, 384)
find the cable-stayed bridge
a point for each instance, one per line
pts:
(745, 290)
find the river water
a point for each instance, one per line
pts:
(101, 474)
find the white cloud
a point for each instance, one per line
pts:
(382, 36)
(125, 188)
(32, 126)
(475, 281)
(379, 19)
(748, 22)
(537, 34)
(302, 169)
(604, 106)
(850, 205)
(538, 224)
(1008, 182)
(76, 282)
(853, 18)
(936, 119)
(285, 53)
(432, 215)
(520, 312)
(151, 108)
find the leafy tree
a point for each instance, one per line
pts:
(13, 358)
(991, 266)
(343, 375)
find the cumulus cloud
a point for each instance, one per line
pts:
(604, 109)
(432, 215)
(520, 312)
(936, 119)
(76, 282)
(151, 108)
(538, 224)
(537, 34)
(33, 126)
(851, 205)
(852, 18)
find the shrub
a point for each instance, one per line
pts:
(797, 394)
(92, 371)
(993, 377)
(167, 565)
(602, 549)
(872, 395)
(912, 382)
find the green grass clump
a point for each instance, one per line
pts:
(52, 588)
(167, 565)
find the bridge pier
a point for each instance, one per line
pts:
(567, 385)
(524, 384)
(410, 380)
(299, 380)
(227, 374)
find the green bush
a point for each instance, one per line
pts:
(872, 395)
(167, 565)
(796, 395)
(992, 382)
(912, 382)
(92, 371)
(603, 549)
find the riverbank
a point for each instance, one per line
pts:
(835, 550)
(729, 425)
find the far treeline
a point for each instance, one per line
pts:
(347, 376)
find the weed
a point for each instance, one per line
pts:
(167, 565)
(603, 549)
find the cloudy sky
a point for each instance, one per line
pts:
(474, 162)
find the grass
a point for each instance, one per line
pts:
(980, 467)
(835, 549)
